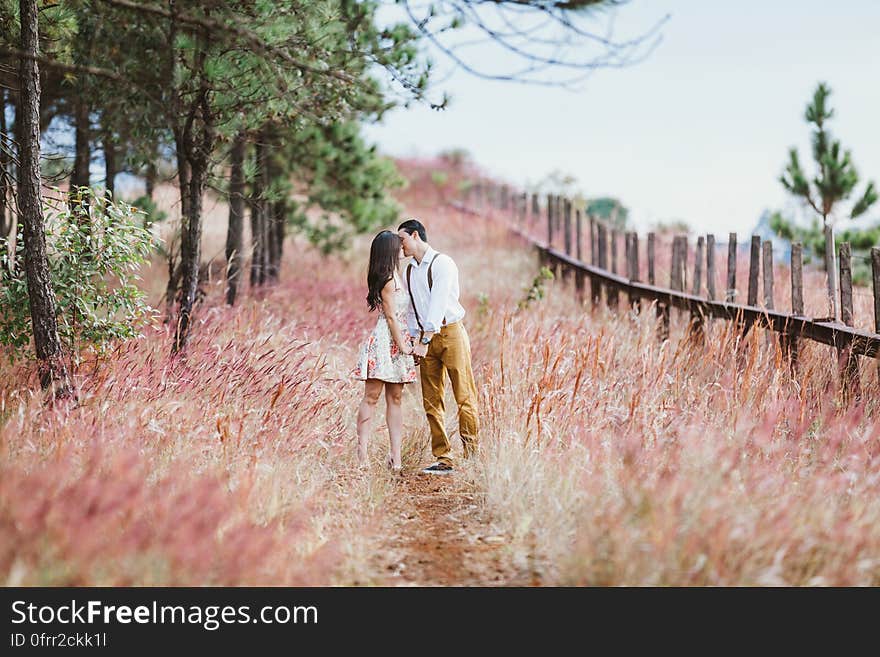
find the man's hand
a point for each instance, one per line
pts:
(420, 350)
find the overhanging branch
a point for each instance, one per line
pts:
(253, 39)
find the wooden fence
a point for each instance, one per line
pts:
(565, 223)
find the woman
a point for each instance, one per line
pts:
(385, 359)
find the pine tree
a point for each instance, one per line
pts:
(835, 181)
(41, 297)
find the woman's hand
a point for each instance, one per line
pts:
(406, 348)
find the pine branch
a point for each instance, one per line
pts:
(252, 38)
(865, 202)
(79, 68)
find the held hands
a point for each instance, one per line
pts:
(407, 347)
(417, 351)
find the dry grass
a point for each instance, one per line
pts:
(231, 467)
(608, 457)
(619, 460)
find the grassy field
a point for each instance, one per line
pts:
(607, 458)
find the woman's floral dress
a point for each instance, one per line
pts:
(379, 356)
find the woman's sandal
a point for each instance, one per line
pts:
(389, 463)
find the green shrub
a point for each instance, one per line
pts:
(94, 253)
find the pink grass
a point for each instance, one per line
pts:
(607, 457)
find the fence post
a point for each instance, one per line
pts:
(595, 287)
(567, 214)
(683, 262)
(754, 259)
(791, 342)
(767, 265)
(602, 243)
(637, 270)
(797, 279)
(566, 233)
(635, 301)
(710, 266)
(875, 271)
(546, 253)
(697, 321)
(579, 273)
(662, 309)
(846, 298)
(557, 213)
(851, 385)
(675, 279)
(614, 235)
(627, 251)
(752, 294)
(592, 223)
(698, 267)
(730, 297)
(613, 294)
(536, 210)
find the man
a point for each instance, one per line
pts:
(441, 343)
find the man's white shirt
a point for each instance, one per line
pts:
(441, 301)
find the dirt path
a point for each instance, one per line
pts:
(438, 538)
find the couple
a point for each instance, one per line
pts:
(420, 323)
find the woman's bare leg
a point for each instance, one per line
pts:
(394, 418)
(372, 390)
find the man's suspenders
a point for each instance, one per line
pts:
(430, 287)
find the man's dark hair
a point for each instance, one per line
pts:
(414, 226)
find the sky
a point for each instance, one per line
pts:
(699, 131)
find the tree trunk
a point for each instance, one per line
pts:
(14, 175)
(271, 214)
(110, 166)
(831, 269)
(174, 268)
(41, 298)
(150, 172)
(279, 215)
(258, 217)
(82, 149)
(150, 180)
(234, 235)
(197, 145)
(256, 237)
(265, 224)
(274, 216)
(190, 251)
(5, 228)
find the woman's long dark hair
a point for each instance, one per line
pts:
(384, 253)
